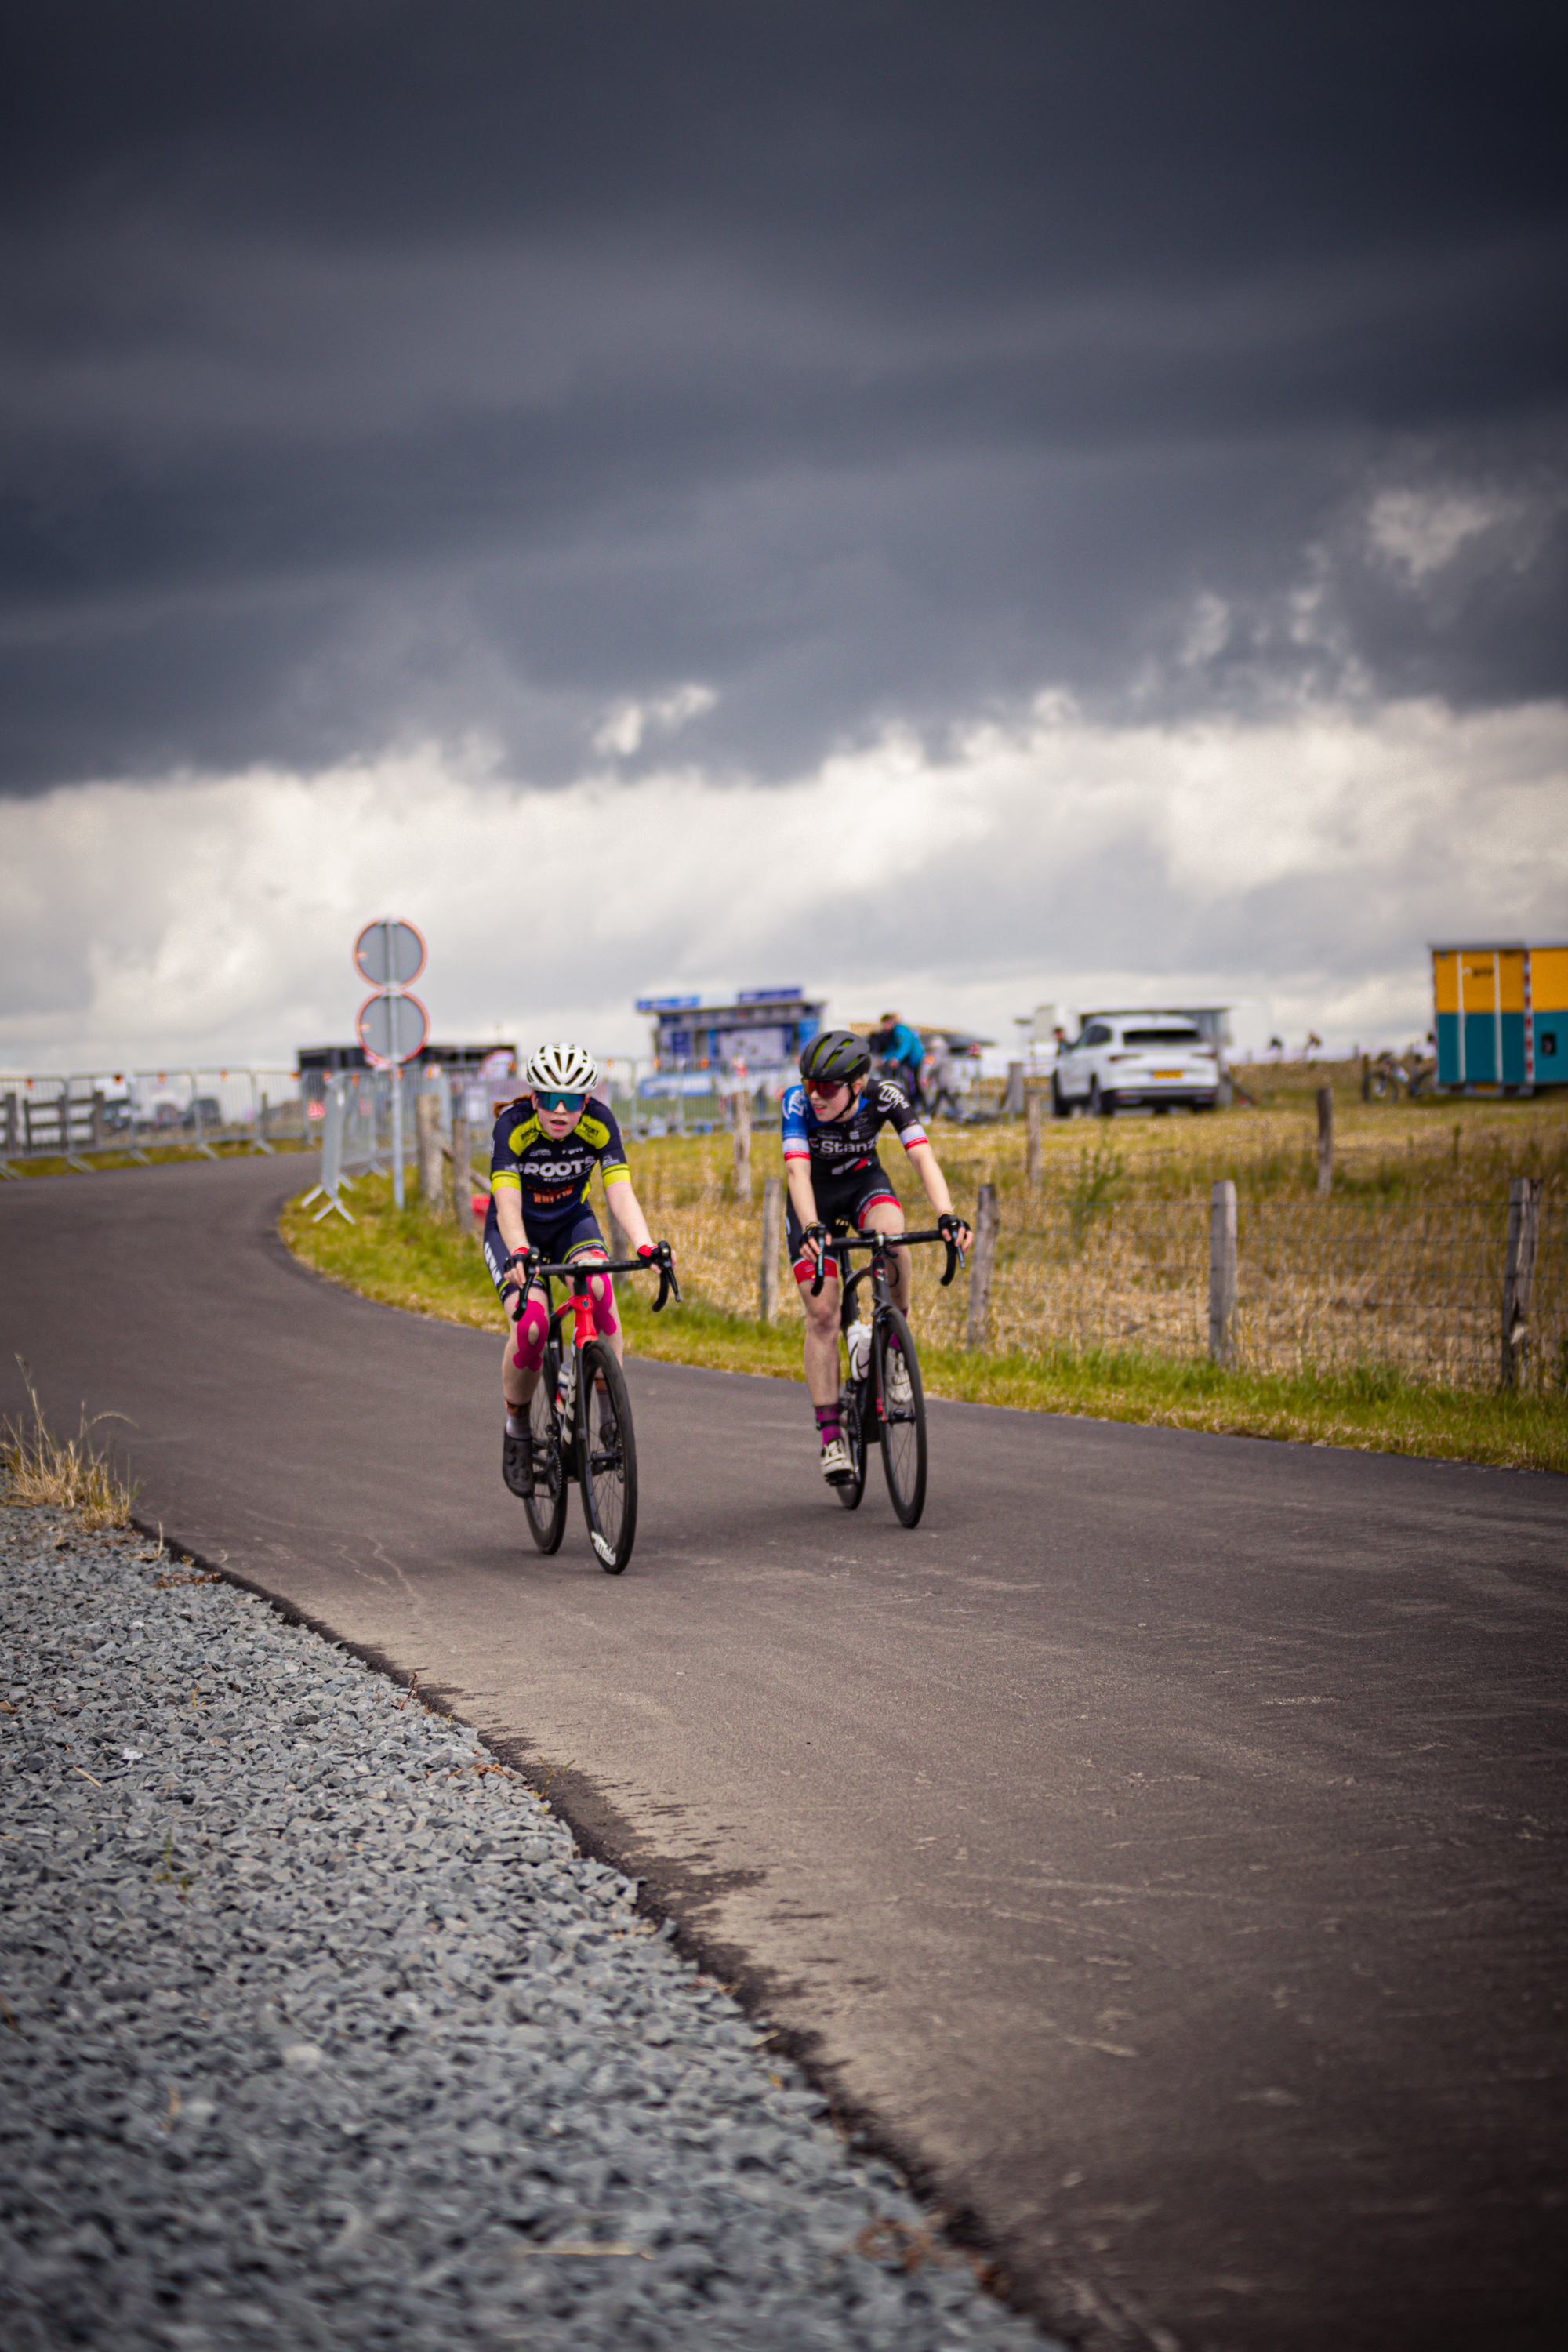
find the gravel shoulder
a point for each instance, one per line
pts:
(315, 2027)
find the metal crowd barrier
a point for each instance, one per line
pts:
(131, 1114)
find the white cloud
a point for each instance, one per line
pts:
(1423, 531)
(627, 726)
(1306, 862)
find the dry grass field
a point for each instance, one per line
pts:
(1399, 1266)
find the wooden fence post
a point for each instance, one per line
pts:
(1325, 1138)
(427, 1138)
(1012, 1104)
(1222, 1272)
(462, 1178)
(768, 1271)
(1032, 1129)
(981, 1262)
(1519, 1274)
(743, 1144)
(98, 1099)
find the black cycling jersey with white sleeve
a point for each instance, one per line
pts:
(838, 1148)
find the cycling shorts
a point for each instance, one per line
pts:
(839, 1206)
(557, 1243)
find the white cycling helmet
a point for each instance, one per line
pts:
(564, 1069)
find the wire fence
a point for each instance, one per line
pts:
(1322, 1284)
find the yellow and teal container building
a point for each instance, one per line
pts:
(1502, 1017)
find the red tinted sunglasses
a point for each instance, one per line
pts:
(824, 1089)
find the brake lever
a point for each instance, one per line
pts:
(523, 1283)
(668, 1285)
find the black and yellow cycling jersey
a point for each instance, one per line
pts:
(551, 1173)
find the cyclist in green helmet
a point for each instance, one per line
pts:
(831, 1122)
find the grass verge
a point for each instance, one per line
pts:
(72, 1473)
(407, 1260)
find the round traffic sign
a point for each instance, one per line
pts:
(392, 1029)
(389, 954)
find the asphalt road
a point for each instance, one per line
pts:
(1163, 1842)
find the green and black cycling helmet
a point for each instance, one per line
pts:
(835, 1054)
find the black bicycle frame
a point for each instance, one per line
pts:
(880, 1245)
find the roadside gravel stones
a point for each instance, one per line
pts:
(316, 2030)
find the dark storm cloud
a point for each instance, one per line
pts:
(377, 370)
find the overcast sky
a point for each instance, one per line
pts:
(970, 504)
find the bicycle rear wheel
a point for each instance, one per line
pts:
(546, 1506)
(903, 1423)
(608, 1462)
(853, 1430)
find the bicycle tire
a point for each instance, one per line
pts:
(852, 1427)
(608, 1473)
(546, 1506)
(904, 1429)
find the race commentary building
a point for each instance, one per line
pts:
(1502, 1017)
(763, 1028)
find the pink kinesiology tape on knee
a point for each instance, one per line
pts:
(603, 1291)
(531, 1327)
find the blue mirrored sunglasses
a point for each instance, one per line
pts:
(556, 1101)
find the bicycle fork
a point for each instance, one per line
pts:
(584, 1328)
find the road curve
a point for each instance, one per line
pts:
(1163, 1842)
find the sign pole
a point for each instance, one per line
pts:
(390, 1037)
(392, 993)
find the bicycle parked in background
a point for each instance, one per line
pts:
(580, 1415)
(882, 1399)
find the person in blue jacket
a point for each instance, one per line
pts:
(901, 1054)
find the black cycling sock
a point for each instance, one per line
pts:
(827, 1422)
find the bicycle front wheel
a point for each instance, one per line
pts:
(608, 1462)
(904, 1409)
(546, 1506)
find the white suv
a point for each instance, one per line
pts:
(1157, 1058)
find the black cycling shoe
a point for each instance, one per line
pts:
(517, 1463)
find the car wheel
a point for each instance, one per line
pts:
(1061, 1106)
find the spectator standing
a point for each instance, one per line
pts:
(901, 1054)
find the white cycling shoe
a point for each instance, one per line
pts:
(836, 1466)
(897, 1374)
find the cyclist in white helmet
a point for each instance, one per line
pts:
(546, 1146)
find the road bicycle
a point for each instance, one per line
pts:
(580, 1415)
(867, 1412)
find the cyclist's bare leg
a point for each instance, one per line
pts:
(522, 1352)
(822, 1339)
(602, 1291)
